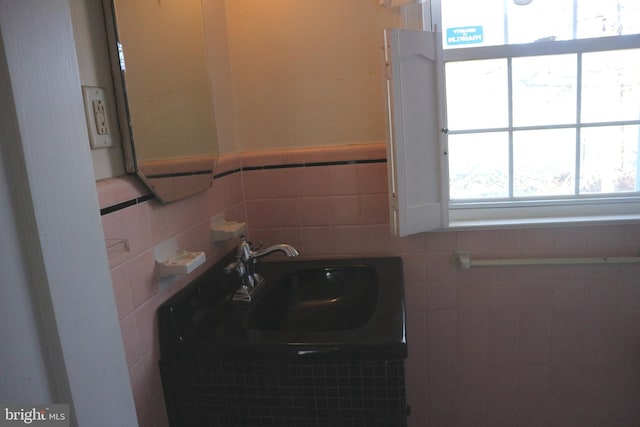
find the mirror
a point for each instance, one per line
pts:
(163, 91)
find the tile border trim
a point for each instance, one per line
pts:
(147, 197)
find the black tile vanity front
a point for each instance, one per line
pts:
(233, 364)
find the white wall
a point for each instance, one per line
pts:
(93, 61)
(215, 27)
(23, 374)
(308, 73)
(59, 271)
(288, 73)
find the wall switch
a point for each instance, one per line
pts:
(97, 119)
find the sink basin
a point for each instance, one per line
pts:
(312, 299)
(343, 306)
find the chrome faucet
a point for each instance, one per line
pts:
(245, 263)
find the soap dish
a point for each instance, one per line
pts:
(222, 230)
(182, 262)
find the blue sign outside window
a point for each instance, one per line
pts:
(465, 35)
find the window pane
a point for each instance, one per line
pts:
(544, 162)
(544, 90)
(540, 20)
(611, 86)
(479, 165)
(477, 94)
(486, 18)
(609, 159)
(608, 18)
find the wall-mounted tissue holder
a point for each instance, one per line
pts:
(172, 261)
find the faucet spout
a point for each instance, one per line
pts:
(288, 250)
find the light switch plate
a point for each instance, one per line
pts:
(95, 106)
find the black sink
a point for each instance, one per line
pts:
(339, 305)
(322, 344)
(325, 298)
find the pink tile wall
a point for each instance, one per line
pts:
(500, 346)
(137, 292)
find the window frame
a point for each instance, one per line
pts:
(535, 210)
(496, 213)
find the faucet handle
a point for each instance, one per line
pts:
(244, 249)
(243, 239)
(252, 246)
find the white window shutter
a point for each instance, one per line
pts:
(413, 139)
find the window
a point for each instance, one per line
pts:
(539, 111)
